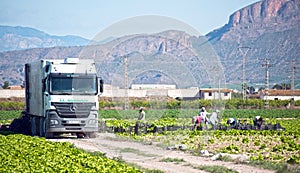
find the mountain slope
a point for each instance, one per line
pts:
(19, 38)
(270, 29)
(170, 57)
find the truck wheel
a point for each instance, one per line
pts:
(91, 134)
(33, 126)
(49, 135)
(80, 135)
(43, 127)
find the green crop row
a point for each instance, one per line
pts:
(196, 104)
(21, 153)
(269, 145)
(175, 104)
(178, 113)
(183, 113)
(9, 115)
(10, 105)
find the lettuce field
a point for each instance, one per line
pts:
(21, 153)
(278, 146)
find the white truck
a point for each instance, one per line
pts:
(62, 97)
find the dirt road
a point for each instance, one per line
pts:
(150, 156)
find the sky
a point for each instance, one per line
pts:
(88, 18)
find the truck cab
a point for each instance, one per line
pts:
(62, 97)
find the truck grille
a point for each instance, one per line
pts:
(73, 110)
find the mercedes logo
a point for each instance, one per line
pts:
(73, 108)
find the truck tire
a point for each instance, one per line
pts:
(43, 127)
(80, 135)
(33, 126)
(91, 134)
(49, 135)
(21, 125)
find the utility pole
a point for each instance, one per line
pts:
(244, 51)
(293, 81)
(267, 65)
(126, 97)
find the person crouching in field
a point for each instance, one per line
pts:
(258, 122)
(196, 120)
(232, 122)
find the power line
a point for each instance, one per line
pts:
(126, 101)
(244, 51)
(267, 65)
(293, 81)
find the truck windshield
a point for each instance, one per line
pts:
(73, 84)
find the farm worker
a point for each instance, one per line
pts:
(232, 122)
(258, 121)
(203, 115)
(141, 114)
(196, 121)
(214, 119)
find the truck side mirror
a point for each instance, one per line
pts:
(101, 85)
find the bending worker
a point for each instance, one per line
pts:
(232, 122)
(258, 121)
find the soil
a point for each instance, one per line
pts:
(149, 155)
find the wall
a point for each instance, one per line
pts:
(6, 93)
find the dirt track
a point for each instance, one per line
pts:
(150, 156)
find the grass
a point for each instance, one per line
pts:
(215, 169)
(136, 151)
(175, 160)
(278, 167)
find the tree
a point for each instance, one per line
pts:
(5, 85)
(251, 89)
(286, 86)
(277, 87)
(282, 86)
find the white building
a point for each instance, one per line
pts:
(152, 86)
(215, 93)
(280, 94)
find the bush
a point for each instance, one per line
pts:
(174, 104)
(12, 105)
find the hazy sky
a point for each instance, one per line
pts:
(87, 18)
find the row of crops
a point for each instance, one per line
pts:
(7, 116)
(20, 153)
(261, 145)
(271, 145)
(174, 104)
(274, 146)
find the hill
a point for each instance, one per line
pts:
(270, 29)
(266, 30)
(20, 38)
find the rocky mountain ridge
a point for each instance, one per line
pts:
(269, 28)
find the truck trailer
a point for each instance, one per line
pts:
(62, 97)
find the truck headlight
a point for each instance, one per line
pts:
(53, 122)
(92, 121)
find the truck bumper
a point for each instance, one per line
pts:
(69, 125)
(72, 129)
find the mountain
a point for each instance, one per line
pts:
(20, 38)
(170, 57)
(267, 29)
(266, 32)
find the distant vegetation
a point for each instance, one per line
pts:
(174, 104)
